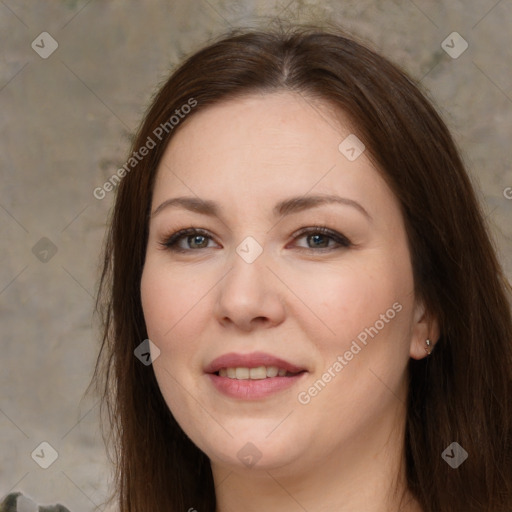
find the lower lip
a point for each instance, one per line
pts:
(252, 389)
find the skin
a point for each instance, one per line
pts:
(342, 450)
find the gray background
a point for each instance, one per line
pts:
(65, 123)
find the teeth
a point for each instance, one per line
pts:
(272, 371)
(261, 372)
(242, 373)
(256, 373)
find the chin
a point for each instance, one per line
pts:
(254, 453)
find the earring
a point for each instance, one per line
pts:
(428, 349)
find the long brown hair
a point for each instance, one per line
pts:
(461, 393)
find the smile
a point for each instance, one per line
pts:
(252, 376)
(261, 372)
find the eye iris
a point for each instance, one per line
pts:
(316, 237)
(195, 238)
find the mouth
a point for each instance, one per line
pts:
(252, 376)
(257, 373)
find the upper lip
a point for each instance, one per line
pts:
(253, 360)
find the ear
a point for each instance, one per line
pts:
(425, 327)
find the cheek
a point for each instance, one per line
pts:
(169, 299)
(365, 306)
(170, 303)
(369, 307)
(349, 297)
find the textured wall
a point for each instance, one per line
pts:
(65, 122)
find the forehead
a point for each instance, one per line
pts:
(254, 147)
(281, 126)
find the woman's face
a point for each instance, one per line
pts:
(259, 291)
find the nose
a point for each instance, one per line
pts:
(250, 295)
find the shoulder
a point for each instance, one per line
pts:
(16, 502)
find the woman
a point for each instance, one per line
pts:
(297, 249)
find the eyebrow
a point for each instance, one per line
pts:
(282, 208)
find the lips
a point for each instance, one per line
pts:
(253, 360)
(229, 375)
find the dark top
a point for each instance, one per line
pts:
(17, 502)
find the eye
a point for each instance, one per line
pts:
(195, 238)
(320, 237)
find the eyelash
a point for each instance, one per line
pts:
(170, 242)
